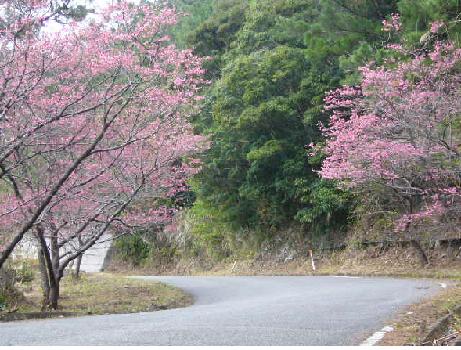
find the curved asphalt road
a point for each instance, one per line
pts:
(241, 311)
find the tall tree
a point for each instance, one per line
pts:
(275, 60)
(399, 132)
(94, 120)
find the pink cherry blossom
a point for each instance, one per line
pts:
(396, 130)
(94, 125)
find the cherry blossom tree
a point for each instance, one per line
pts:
(94, 130)
(400, 130)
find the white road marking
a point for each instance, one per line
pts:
(377, 336)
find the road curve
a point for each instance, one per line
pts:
(241, 311)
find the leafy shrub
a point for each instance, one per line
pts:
(25, 272)
(132, 249)
(7, 279)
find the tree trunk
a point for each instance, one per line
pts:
(45, 281)
(77, 266)
(420, 252)
(79, 259)
(53, 279)
(54, 295)
(54, 252)
(450, 251)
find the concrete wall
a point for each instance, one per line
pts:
(92, 261)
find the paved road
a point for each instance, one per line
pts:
(241, 311)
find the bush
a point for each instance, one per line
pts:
(7, 279)
(24, 272)
(132, 249)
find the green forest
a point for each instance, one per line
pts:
(270, 65)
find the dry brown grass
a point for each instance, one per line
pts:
(413, 323)
(102, 293)
(397, 262)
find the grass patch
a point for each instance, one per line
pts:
(96, 294)
(396, 262)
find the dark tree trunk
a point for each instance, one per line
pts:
(54, 252)
(420, 252)
(77, 266)
(53, 279)
(79, 259)
(451, 251)
(54, 296)
(45, 281)
(414, 243)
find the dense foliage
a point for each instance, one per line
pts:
(399, 130)
(272, 62)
